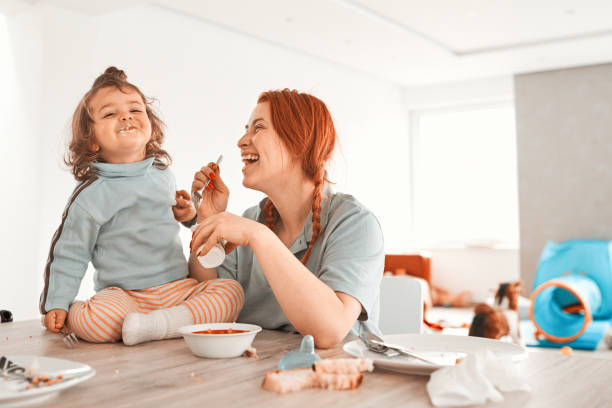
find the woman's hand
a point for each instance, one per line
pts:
(55, 319)
(184, 209)
(234, 229)
(214, 199)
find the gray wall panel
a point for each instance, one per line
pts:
(564, 136)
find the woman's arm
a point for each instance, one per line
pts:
(198, 272)
(309, 304)
(214, 201)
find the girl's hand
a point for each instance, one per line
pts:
(184, 209)
(214, 200)
(234, 229)
(54, 320)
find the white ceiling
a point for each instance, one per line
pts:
(412, 42)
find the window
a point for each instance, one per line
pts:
(465, 176)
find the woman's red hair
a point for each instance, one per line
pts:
(306, 128)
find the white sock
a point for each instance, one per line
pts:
(155, 325)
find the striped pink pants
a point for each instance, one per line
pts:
(100, 319)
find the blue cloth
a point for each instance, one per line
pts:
(348, 256)
(548, 305)
(585, 266)
(589, 340)
(123, 223)
(589, 257)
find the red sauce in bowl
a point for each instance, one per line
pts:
(226, 331)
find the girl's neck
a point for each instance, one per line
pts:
(123, 158)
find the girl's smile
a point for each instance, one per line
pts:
(129, 129)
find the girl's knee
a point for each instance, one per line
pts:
(93, 326)
(235, 292)
(235, 286)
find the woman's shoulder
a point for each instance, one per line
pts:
(344, 211)
(342, 205)
(352, 229)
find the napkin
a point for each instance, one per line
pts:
(474, 380)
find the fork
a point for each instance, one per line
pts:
(12, 373)
(377, 348)
(196, 196)
(378, 345)
(70, 339)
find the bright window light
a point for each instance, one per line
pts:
(465, 177)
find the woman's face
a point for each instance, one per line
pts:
(267, 162)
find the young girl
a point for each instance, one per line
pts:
(121, 218)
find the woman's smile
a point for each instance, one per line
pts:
(249, 159)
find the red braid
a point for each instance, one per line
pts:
(316, 214)
(269, 213)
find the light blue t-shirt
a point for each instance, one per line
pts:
(348, 257)
(121, 220)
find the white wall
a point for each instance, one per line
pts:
(20, 103)
(207, 81)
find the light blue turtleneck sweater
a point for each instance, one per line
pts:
(122, 222)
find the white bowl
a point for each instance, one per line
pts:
(219, 345)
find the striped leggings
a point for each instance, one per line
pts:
(100, 319)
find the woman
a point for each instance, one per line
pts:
(308, 259)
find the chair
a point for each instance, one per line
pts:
(418, 265)
(401, 304)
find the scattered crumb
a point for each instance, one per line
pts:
(42, 381)
(567, 351)
(192, 374)
(197, 379)
(250, 352)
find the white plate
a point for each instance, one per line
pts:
(442, 348)
(72, 371)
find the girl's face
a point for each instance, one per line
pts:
(121, 127)
(266, 161)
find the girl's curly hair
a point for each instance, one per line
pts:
(80, 155)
